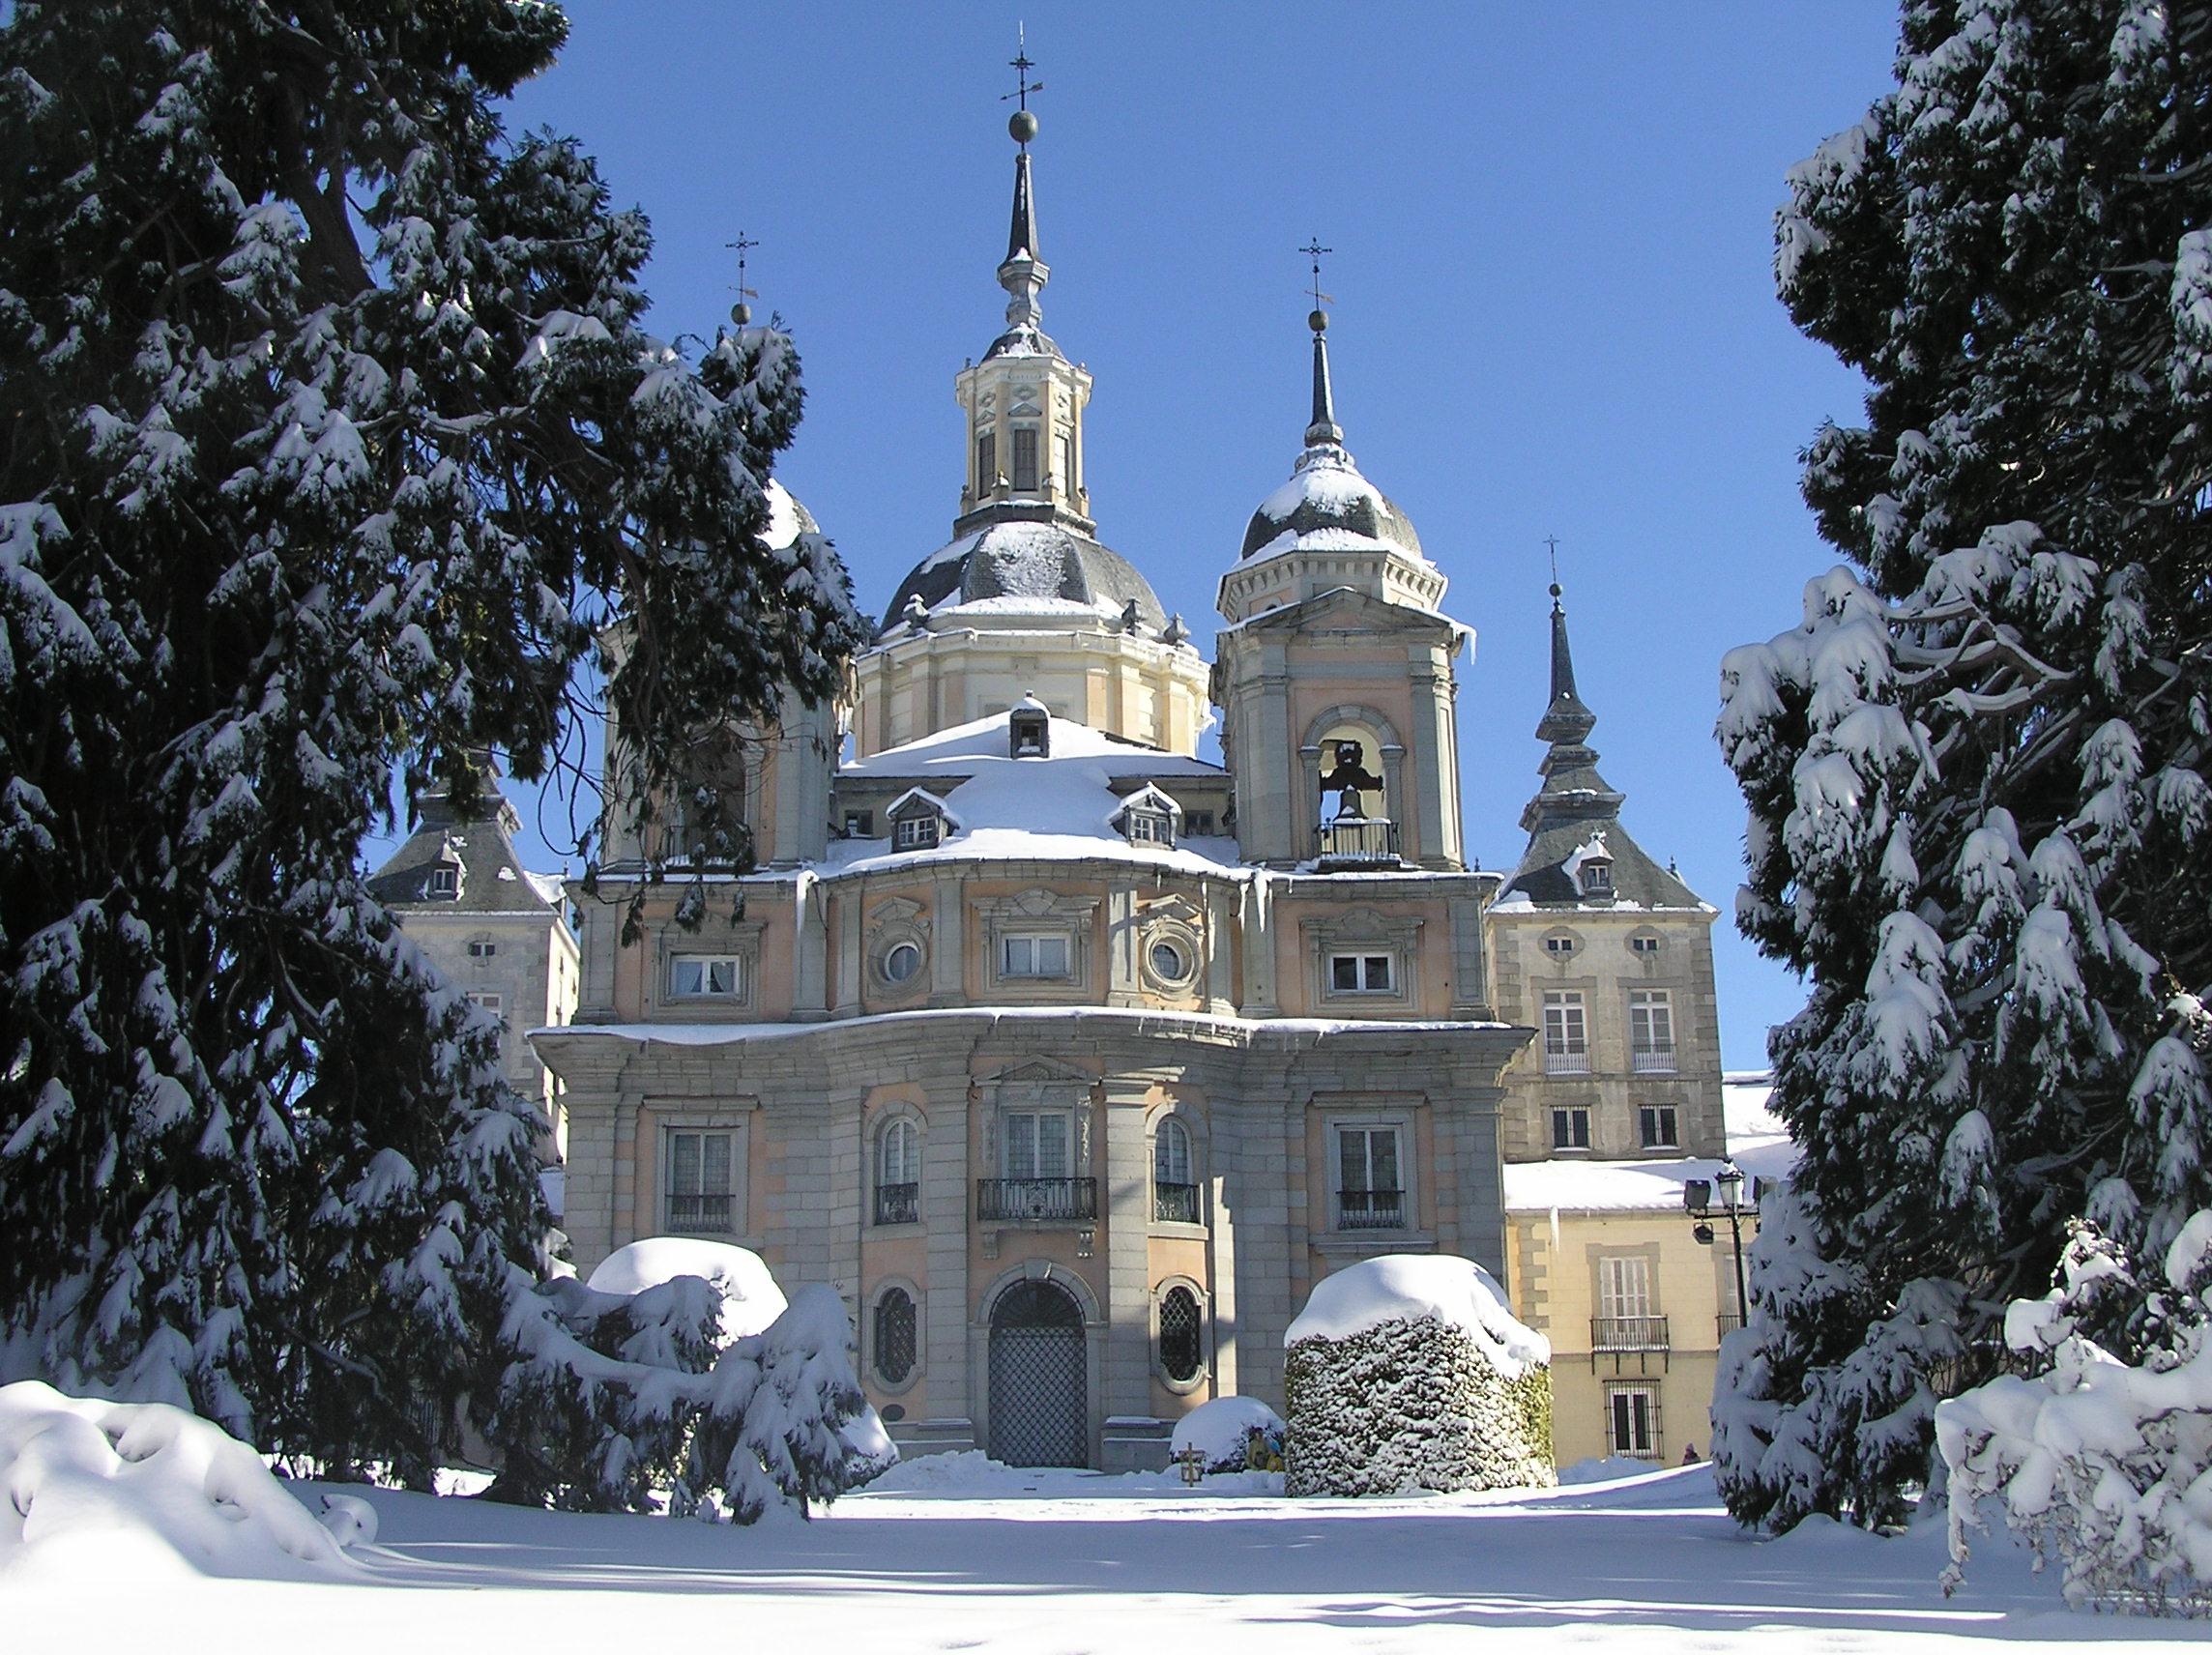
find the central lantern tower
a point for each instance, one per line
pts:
(1024, 600)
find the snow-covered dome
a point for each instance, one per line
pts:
(1028, 565)
(1328, 506)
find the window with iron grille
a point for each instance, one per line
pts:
(1632, 1420)
(1370, 1194)
(1651, 1031)
(1181, 1351)
(1655, 1125)
(1175, 1187)
(1570, 1128)
(701, 1182)
(894, 1336)
(898, 1172)
(1567, 1034)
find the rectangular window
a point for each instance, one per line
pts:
(1570, 1128)
(480, 949)
(1370, 1193)
(1656, 1126)
(1567, 1034)
(1033, 955)
(1632, 1420)
(860, 825)
(916, 832)
(702, 1183)
(1650, 1031)
(702, 977)
(1146, 829)
(1067, 463)
(490, 1002)
(445, 879)
(1360, 974)
(1025, 460)
(1643, 945)
(1624, 1287)
(1198, 822)
(1558, 945)
(1037, 1143)
(986, 463)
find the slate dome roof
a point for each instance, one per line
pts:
(1328, 506)
(1039, 562)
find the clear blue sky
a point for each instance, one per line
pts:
(1552, 233)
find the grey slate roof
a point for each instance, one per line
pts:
(1043, 559)
(492, 877)
(1575, 803)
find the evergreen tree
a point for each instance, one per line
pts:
(328, 442)
(1979, 820)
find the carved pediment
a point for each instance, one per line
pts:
(1179, 908)
(1041, 1071)
(896, 911)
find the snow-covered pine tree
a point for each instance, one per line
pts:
(329, 441)
(1978, 813)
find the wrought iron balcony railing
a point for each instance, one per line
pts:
(1652, 1060)
(1355, 842)
(698, 1214)
(1370, 1209)
(1560, 1060)
(1729, 1322)
(1628, 1333)
(898, 1203)
(1175, 1204)
(1039, 1198)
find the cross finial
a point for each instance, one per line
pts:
(1021, 63)
(1313, 249)
(741, 313)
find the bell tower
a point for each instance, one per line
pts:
(1336, 676)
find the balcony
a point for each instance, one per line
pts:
(698, 1214)
(1371, 1209)
(1037, 1200)
(1353, 842)
(1628, 1333)
(1729, 1322)
(1175, 1204)
(898, 1203)
(1562, 1061)
(1652, 1060)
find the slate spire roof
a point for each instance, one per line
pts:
(486, 872)
(1575, 814)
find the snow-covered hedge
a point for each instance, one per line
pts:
(1220, 1430)
(632, 1399)
(1410, 1372)
(136, 1490)
(2105, 1465)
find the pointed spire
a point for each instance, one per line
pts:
(1567, 720)
(1023, 274)
(1324, 426)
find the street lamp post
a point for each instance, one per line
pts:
(1698, 1201)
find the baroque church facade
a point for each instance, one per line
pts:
(1072, 1058)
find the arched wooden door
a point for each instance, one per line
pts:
(1039, 1411)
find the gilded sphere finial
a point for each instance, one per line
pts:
(1318, 321)
(1022, 125)
(741, 313)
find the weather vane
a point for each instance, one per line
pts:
(1021, 63)
(741, 313)
(1552, 545)
(1313, 249)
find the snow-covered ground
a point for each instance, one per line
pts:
(959, 1554)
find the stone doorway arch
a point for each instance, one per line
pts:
(1039, 1407)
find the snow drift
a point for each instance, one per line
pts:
(107, 1490)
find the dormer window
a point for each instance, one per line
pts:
(920, 821)
(444, 881)
(1029, 730)
(1149, 816)
(1597, 877)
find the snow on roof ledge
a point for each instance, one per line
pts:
(1404, 1287)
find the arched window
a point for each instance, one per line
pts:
(1181, 1351)
(1175, 1186)
(894, 1336)
(898, 1172)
